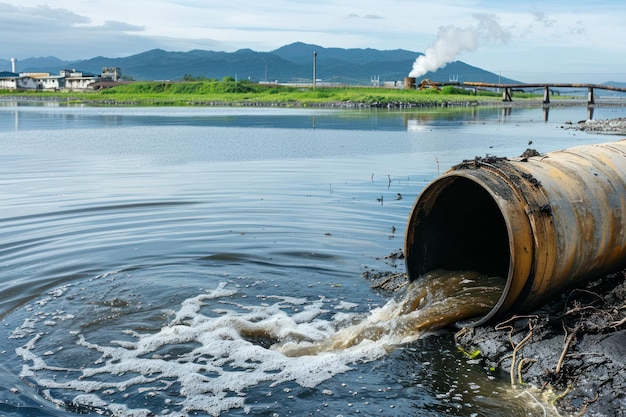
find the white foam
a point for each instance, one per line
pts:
(90, 400)
(215, 348)
(221, 354)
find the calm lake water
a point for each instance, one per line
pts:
(146, 253)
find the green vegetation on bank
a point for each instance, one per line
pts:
(232, 92)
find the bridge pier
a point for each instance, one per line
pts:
(590, 96)
(506, 94)
(546, 95)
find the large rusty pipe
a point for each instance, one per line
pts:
(543, 223)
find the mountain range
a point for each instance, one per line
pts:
(289, 63)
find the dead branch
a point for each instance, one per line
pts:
(505, 324)
(581, 290)
(618, 323)
(568, 341)
(577, 308)
(518, 346)
(521, 364)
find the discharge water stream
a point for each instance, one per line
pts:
(433, 301)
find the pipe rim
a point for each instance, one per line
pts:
(513, 209)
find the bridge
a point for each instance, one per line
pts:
(508, 88)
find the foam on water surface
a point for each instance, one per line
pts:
(203, 358)
(206, 354)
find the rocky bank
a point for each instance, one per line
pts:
(607, 126)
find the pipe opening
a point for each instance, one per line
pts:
(457, 225)
(459, 228)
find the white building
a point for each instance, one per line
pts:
(13, 81)
(78, 81)
(66, 80)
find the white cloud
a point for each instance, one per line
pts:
(543, 19)
(541, 36)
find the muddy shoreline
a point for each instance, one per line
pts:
(568, 357)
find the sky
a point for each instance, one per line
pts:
(531, 41)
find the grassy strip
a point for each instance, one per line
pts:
(231, 92)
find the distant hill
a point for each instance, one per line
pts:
(41, 62)
(290, 63)
(608, 93)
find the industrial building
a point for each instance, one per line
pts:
(70, 80)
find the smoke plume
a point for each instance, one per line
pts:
(452, 40)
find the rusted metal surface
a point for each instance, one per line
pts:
(544, 223)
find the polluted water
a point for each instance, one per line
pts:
(203, 357)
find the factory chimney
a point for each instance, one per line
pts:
(13, 61)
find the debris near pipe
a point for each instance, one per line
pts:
(574, 355)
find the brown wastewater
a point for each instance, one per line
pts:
(434, 301)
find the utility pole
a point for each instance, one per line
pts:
(314, 70)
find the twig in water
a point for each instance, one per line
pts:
(536, 400)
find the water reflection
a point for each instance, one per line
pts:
(546, 112)
(19, 116)
(42, 117)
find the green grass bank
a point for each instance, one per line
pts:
(230, 92)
